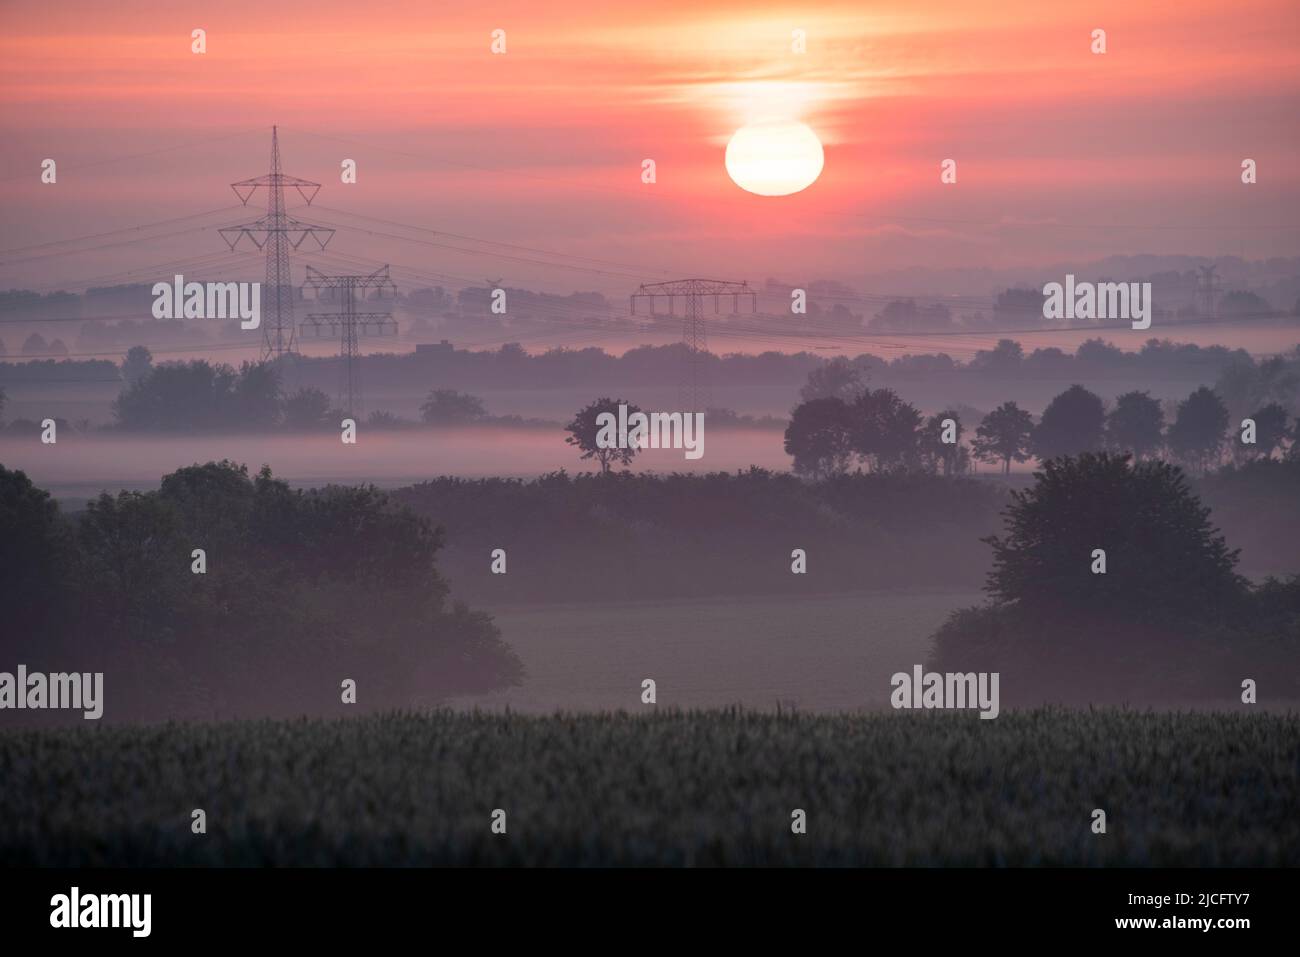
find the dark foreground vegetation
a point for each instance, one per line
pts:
(672, 788)
(225, 594)
(1110, 583)
(624, 536)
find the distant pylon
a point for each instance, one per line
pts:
(276, 232)
(1207, 290)
(694, 392)
(348, 320)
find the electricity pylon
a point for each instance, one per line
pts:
(694, 389)
(1207, 290)
(276, 232)
(348, 320)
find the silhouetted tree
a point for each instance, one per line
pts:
(1165, 563)
(1241, 303)
(1244, 385)
(256, 397)
(131, 546)
(584, 430)
(1271, 432)
(836, 379)
(381, 419)
(179, 396)
(1136, 424)
(306, 409)
(1019, 307)
(885, 429)
(1099, 355)
(1004, 436)
(137, 364)
(35, 344)
(35, 563)
(1073, 422)
(820, 437)
(449, 407)
(1197, 433)
(950, 458)
(904, 314)
(1002, 359)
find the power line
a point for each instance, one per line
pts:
(113, 232)
(146, 154)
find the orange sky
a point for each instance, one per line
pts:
(1062, 155)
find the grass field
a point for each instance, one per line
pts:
(671, 788)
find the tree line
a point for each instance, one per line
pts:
(839, 423)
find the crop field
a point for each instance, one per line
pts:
(673, 787)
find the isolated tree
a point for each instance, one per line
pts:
(306, 409)
(1271, 432)
(449, 407)
(1073, 422)
(836, 379)
(1165, 562)
(1199, 429)
(35, 344)
(1136, 424)
(820, 437)
(1004, 436)
(137, 364)
(885, 429)
(584, 430)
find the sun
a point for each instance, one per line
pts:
(774, 158)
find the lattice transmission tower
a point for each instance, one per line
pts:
(350, 324)
(1207, 291)
(694, 392)
(277, 232)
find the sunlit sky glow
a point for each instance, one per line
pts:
(544, 145)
